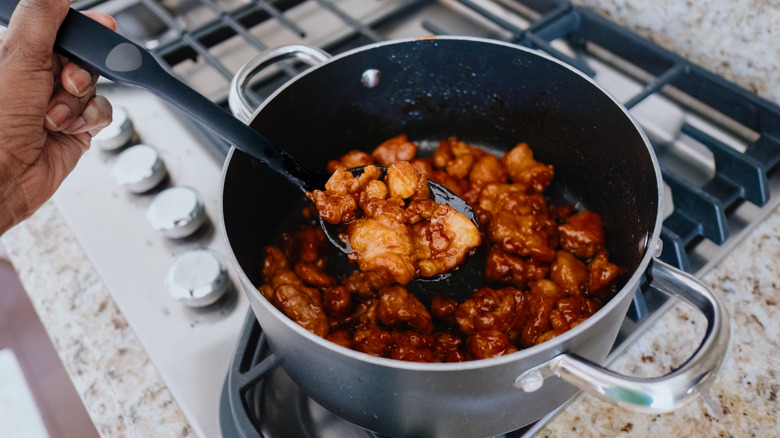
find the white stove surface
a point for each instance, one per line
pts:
(191, 348)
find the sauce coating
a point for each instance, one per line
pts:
(547, 266)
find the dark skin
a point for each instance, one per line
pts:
(49, 110)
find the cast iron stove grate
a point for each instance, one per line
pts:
(718, 155)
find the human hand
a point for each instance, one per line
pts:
(49, 111)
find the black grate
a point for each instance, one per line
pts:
(701, 210)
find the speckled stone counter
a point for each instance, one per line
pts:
(125, 396)
(121, 389)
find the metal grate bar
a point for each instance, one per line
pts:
(354, 24)
(747, 174)
(516, 32)
(696, 204)
(656, 85)
(433, 29)
(237, 27)
(216, 31)
(542, 44)
(674, 251)
(186, 37)
(765, 150)
(276, 14)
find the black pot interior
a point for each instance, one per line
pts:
(486, 94)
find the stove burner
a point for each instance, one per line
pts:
(259, 400)
(262, 400)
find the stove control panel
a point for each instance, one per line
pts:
(154, 240)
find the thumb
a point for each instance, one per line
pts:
(32, 31)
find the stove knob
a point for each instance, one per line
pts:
(177, 212)
(139, 168)
(117, 134)
(198, 278)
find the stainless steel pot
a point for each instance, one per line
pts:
(496, 95)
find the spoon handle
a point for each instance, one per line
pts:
(116, 58)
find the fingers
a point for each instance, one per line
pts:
(96, 114)
(68, 105)
(105, 20)
(76, 80)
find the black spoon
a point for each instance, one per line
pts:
(114, 57)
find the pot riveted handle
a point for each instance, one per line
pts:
(237, 99)
(658, 394)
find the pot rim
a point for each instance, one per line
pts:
(651, 247)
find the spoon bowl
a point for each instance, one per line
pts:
(459, 282)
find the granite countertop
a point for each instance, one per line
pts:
(125, 395)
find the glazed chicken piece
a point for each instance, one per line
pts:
(397, 307)
(491, 343)
(487, 170)
(444, 308)
(575, 309)
(353, 158)
(603, 276)
(364, 284)
(492, 310)
(456, 157)
(508, 268)
(582, 234)
(381, 241)
(314, 274)
(396, 149)
(525, 171)
(542, 299)
(525, 233)
(399, 243)
(371, 339)
(383, 246)
(287, 291)
(570, 273)
(443, 241)
(450, 348)
(306, 245)
(413, 346)
(405, 182)
(340, 337)
(337, 301)
(304, 306)
(424, 166)
(338, 203)
(494, 196)
(273, 260)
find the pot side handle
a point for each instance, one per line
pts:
(657, 394)
(237, 99)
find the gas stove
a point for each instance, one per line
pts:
(157, 175)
